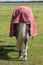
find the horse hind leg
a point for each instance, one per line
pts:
(26, 47)
(20, 54)
(25, 52)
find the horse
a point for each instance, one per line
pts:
(22, 26)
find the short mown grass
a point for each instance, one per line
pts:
(8, 51)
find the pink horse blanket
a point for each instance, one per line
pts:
(23, 14)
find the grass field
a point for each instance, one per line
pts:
(8, 52)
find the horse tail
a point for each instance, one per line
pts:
(21, 36)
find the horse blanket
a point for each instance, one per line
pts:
(23, 14)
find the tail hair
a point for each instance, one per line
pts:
(21, 36)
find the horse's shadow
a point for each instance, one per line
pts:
(4, 50)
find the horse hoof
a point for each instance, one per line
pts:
(25, 58)
(20, 56)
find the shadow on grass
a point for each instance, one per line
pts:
(2, 41)
(4, 50)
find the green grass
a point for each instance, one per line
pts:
(8, 51)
